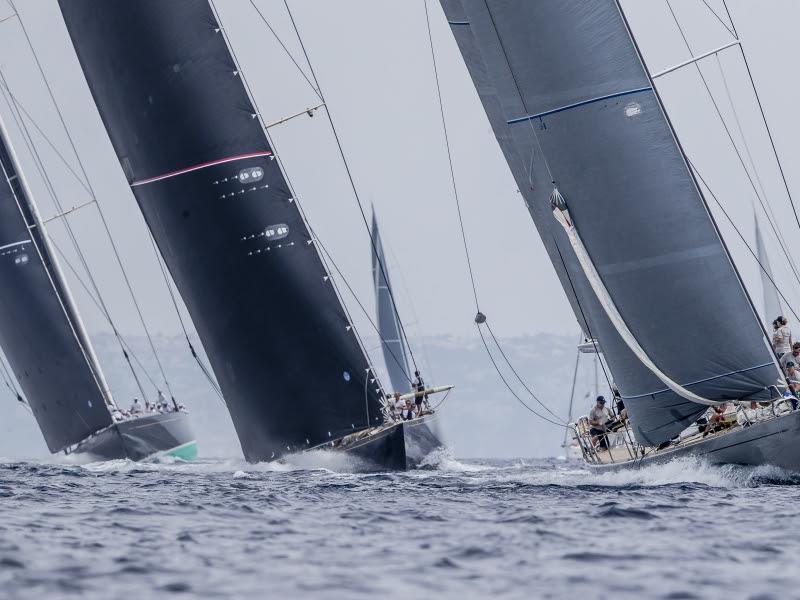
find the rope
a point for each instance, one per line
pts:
(351, 180)
(86, 350)
(450, 157)
(9, 382)
(94, 198)
(125, 346)
(480, 318)
(286, 50)
(763, 116)
(762, 198)
(203, 368)
(746, 243)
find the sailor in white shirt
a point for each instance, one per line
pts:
(136, 407)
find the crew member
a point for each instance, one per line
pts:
(600, 421)
(136, 407)
(419, 386)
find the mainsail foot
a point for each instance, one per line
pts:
(146, 437)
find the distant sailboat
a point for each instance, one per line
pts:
(624, 222)
(49, 351)
(772, 301)
(394, 348)
(290, 365)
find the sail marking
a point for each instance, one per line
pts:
(204, 165)
(553, 111)
(7, 246)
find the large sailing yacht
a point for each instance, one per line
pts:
(621, 213)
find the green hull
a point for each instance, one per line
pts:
(187, 451)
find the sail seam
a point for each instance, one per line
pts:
(698, 382)
(578, 104)
(198, 167)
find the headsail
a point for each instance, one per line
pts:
(772, 302)
(201, 167)
(40, 330)
(570, 102)
(394, 348)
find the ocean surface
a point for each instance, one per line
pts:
(456, 529)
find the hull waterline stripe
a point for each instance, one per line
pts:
(205, 165)
(577, 104)
(22, 243)
(698, 382)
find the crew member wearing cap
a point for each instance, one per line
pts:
(793, 379)
(601, 420)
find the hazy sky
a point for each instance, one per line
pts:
(374, 64)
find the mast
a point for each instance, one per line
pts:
(229, 228)
(41, 331)
(54, 269)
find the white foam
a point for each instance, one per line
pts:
(442, 459)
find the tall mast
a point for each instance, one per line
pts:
(50, 261)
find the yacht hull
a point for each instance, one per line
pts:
(774, 442)
(148, 436)
(398, 447)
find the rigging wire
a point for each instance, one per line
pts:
(450, 157)
(762, 198)
(763, 116)
(480, 318)
(127, 350)
(8, 381)
(351, 179)
(286, 50)
(206, 370)
(294, 197)
(764, 270)
(94, 198)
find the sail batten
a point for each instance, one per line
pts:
(631, 195)
(282, 348)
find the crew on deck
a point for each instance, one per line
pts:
(781, 336)
(601, 421)
(793, 356)
(136, 407)
(419, 387)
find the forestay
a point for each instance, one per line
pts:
(201, 167)
(394, 348)
(40, 331)
(572, 105)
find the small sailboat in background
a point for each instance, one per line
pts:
(621, 212)
(252, 272)
(49, 351)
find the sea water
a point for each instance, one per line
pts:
(455, 529)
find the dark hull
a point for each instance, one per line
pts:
(773, 442)
(145, 437)
(399, 447)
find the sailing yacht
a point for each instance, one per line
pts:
(621, 214)
(290, 364)
(49, 351)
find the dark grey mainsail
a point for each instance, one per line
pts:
(394, 348)
(772, 303)
(40, 330)
(573, 106)
(287, 359)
